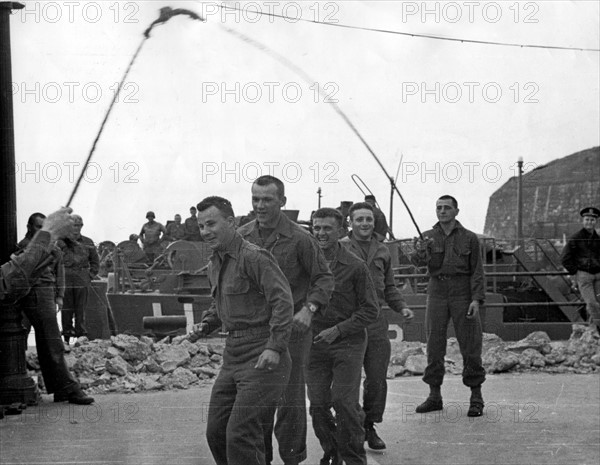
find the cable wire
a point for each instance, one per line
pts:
(410, 34)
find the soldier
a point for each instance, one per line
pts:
(18, 280)
(253, 303)
(456, 291)
(366, 244)
(338, 350)
(150, 235)
(192, 233)
(381, 224)
(303, 264)
(581, 258)
(175, 231)
(82, 263)
(53, 276)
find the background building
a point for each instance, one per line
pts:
(553, 194)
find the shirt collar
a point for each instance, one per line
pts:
(374, 237)
(343, 254)
(284, 227)
(457, 226)
(231, 248)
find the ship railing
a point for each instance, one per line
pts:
(415, 282)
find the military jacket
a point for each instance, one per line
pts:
(249, 291)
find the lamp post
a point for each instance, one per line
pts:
(16, 388)
(520, 201)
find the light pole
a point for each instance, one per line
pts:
(16, 388)
(520, 201)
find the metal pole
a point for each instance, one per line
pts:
(520, 201)
(391, 222)
(17, 390)
(8, 190)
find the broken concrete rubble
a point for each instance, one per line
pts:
(536, 352)
(130, 364)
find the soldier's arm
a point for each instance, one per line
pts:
(476, 265)
(422, 253)
(15, 275)
(321, 278)
(266, 274)
(94, 259)
(60, 275)
(368, 306)
(392, 295)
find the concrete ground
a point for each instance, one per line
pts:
(529, 419)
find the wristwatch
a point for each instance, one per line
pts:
(312, 307)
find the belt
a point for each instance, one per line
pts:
(258, 332)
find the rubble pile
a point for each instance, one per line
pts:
(131, 364)
(580, 354)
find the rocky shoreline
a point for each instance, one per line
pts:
(128, 364)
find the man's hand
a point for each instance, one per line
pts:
(199, 330)
(407, 313)
(327, 335)
(302, 320)
(473, 310)
(59, 304)
(59, 224)
(268, 360)
(573, 280)
(421, 244)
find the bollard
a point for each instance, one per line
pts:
(17, 390)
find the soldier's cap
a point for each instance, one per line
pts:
(150, 214)
(590, 211)
(369, 197)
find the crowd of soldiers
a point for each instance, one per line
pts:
(301, 312)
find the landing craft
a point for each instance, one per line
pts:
(526, 289)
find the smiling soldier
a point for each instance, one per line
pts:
(336, 356)
(365, 243)
(303, 264)
(253, 303)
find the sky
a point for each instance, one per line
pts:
(204, 113)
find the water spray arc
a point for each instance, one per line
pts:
(300, 72)
(165, 15)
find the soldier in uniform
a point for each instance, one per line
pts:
(381, 224)
(175, 231)
(338, 349)
(20, 283)
(456, 291)
(52, 280)
(150, 235)
(82, 263)
(192, 232)
(253, 303)
(581, 258)
(303, 264)
(366, 244)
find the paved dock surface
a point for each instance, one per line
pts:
(529, 419)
